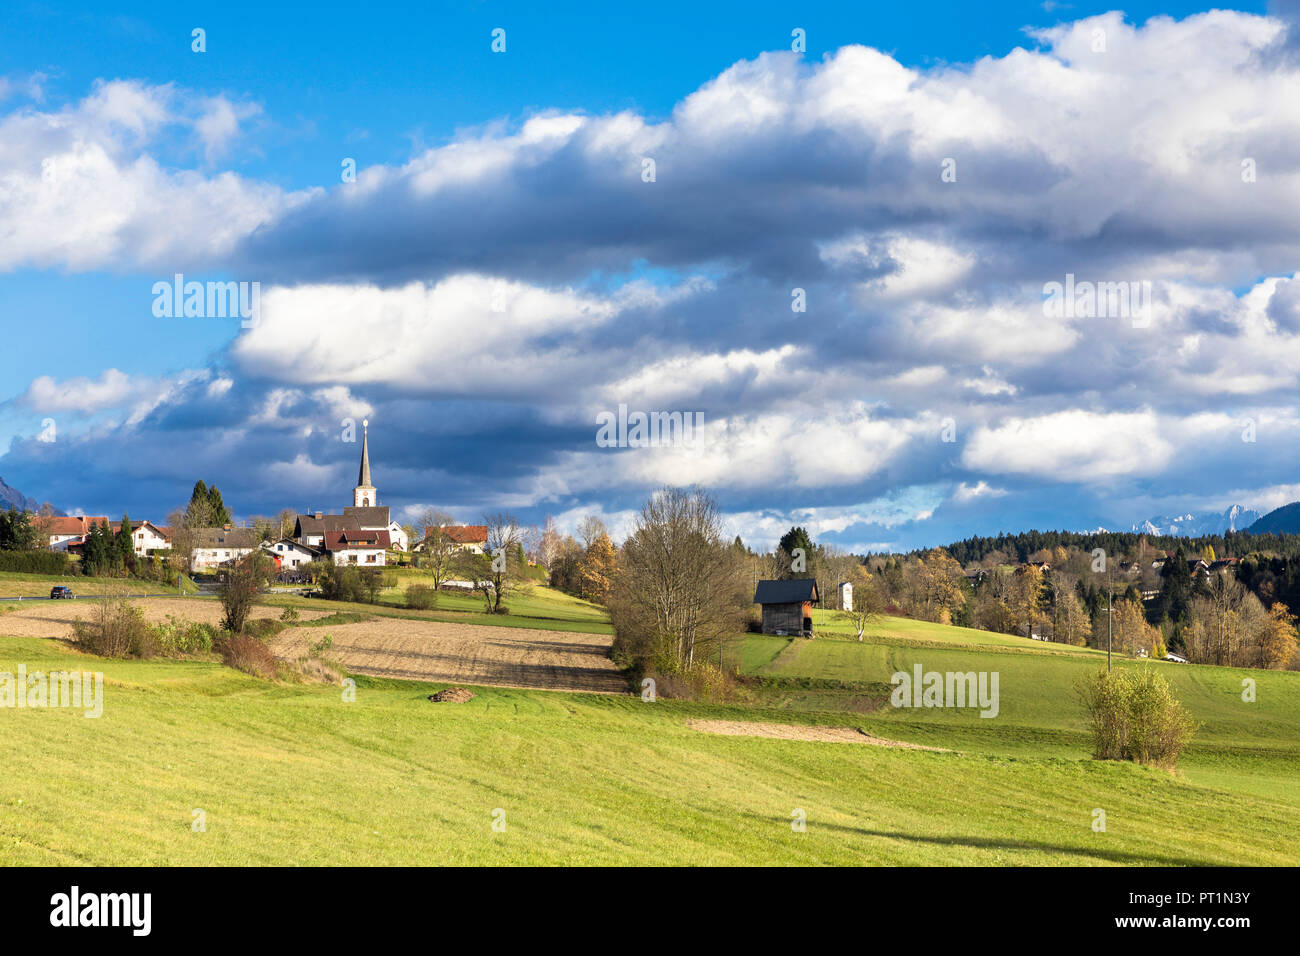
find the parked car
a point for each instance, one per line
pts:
(60, 591)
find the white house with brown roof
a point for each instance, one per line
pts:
(147, 536)
(378, 518)
(215, 547)
(311, 529)
(366, 548)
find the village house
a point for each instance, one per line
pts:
(215, 547)
(310, 530)
(288, 553)
(377, 518)
(147, 536)
(467, 537)
(61, 532)
(368, 548)
(787, 605)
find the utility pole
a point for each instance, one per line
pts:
(1110, 619)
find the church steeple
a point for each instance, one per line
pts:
(365, 495)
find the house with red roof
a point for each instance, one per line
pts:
(468, 537)
(63, 531)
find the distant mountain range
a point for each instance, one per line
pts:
(13, 498)
(1284, 520)
(1198, 523)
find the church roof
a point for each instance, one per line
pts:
(374, 517)
(363, 476)
(310, 524)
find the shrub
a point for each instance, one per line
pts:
(289, 615)
(193, 637)
(177, 637)
(701, 681)
(1103, 698)
(1135, 717)
(264, 628)
(340, 582)
(247, 654)
(421, 597)
(1159, 726)
(116, 628)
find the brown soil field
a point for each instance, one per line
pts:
(54, 618)
(838, 735)
(464, 654)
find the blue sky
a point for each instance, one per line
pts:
(500, 272)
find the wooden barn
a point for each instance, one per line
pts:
(787, 605)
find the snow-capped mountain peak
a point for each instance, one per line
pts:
(1194, 524)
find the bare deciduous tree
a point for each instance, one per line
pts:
(549, 543)
(679, 586)
(589, 529)
(439, 549)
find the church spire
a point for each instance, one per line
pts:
(363, 476)
(364, 495)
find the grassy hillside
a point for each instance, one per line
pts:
(1251, 746)
(292, 774)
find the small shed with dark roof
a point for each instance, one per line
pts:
(787, 605)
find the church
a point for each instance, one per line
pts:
(364, 531)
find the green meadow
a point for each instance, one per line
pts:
(294, 774)
(533, 606)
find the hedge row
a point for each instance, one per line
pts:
(35, 562)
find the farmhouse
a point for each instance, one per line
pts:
(467, 537)
(787, 605)
(214, 547)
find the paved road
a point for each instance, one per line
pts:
(209, 590)
(87, 597)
